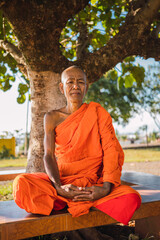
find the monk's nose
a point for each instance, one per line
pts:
(75, 86)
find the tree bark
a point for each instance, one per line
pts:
(45, 96)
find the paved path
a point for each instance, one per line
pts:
(152, 167)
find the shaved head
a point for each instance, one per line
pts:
(74, 67)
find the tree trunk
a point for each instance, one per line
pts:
(45, 96)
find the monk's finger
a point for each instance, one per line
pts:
(81, 188)
(74, 188)
(89, 189)
(65, 189)
(81, 193)
(83, 197)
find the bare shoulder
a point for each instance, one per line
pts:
(51, 119)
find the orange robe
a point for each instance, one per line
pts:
(88, 153)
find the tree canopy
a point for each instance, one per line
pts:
(99, 36)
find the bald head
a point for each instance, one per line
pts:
(69, 70)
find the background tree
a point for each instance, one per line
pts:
(123, 102)
(120, 103)
(7, 134)
(149, 94)
(144, 128)
(45, 37)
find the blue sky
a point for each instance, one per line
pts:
(13, 115)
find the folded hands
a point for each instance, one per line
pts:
(84, 193)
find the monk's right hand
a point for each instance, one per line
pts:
(70, 191)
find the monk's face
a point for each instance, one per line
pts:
(73, 84)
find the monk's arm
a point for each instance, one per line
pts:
(113, 156)
(107, 186)
(50, 162)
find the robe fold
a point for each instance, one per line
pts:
(88, 153)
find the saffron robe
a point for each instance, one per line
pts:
(88, 153)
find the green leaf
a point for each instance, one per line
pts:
(93, 2)
(22, 88)
(11, 78)
(129, 59)
(139, 74)
(129, 79)
(124, 68)
(113, 74)
(21, 99)
(6, 86)
(120, 82)
(82, 14)
(3, 70)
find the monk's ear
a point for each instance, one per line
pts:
(61, 87)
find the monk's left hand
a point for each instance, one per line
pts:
(95, 193)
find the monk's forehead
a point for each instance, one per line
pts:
(73, 73)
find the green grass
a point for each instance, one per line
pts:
(142, 155)
(6, 191)
(17, 162)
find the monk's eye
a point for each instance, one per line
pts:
(81, 82)
(70, 82)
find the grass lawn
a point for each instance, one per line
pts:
(17, 162)
(6, 191)
(142, 155)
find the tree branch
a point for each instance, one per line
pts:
(134, 32)
(13, 50)
(82, 41)
(38, 28)
(136, 4)
(148, 13)
(15, 53)
(68, 39)
(151, 49)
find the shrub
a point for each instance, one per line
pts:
(5, 152)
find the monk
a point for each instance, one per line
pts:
(83, 160)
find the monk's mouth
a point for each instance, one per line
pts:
(75, 93)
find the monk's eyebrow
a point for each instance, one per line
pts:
(80, 79)
(70, 78)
